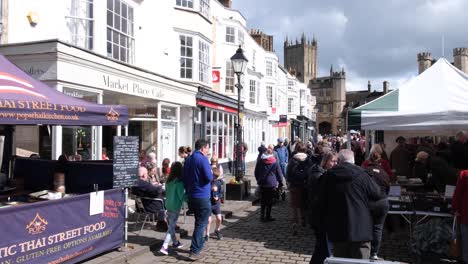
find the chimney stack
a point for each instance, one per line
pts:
(385, 87)
(460, 59)
(226, 3)
(369, 86)
(424, 61)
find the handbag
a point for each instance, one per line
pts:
(454, 247)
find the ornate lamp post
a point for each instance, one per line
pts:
(239, 64)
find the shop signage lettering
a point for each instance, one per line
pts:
(75, 94)
(38, 234)
(39, 105)
(34, 71)
(132, 87)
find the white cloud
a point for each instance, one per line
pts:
(373, 40)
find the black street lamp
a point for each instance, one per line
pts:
(239, 64)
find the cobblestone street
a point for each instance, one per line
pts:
(250, 241)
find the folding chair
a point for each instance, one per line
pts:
(151, 216)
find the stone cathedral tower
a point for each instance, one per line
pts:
(301, 57)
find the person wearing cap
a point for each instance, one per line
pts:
(283, 155)
(400, 158)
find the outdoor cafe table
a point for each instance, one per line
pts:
(415, 217)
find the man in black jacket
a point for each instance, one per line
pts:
(344, 201)
(145, 189)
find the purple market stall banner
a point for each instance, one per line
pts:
(27, 101)
(61, 231)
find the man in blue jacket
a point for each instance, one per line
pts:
(197, 181)
(283, 155)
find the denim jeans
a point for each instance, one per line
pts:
(202, 210)
(172, 217)
(464, 242)
(284, 166)
(379, 213)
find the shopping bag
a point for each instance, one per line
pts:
(454, 248)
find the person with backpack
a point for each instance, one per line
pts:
(297, 178)
(269, 177)
(379, 170)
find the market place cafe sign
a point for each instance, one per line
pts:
(131, 87)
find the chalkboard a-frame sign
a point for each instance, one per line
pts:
(125, 161)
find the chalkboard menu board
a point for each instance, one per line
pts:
(125, 161)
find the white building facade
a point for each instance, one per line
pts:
(168, 61)
(111, 52)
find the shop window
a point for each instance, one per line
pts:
(147, 133)
(120, 33)
(204, 61)
(168, 113)
(77, 143)
(185, 3)
(77, 140)
(186, 56)
(230, 35)
(80, 22)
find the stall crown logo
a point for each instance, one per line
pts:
(112, 115)
(37, 225)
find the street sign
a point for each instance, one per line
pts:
(216, 76)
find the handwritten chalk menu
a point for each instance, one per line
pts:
(125, 161)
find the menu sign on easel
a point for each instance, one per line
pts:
(125, 161)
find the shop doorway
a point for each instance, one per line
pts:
(168, 141)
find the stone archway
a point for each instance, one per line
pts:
(325, 128)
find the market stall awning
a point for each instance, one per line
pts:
(27, 101)
(434, 100)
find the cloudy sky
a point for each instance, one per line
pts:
(374, 40)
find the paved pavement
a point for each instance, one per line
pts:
(246, 240)
(249, 241)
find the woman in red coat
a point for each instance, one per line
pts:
(376, 158)
(460, 207)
